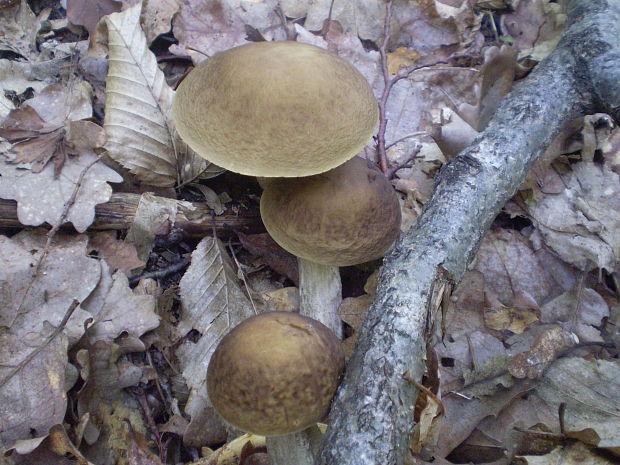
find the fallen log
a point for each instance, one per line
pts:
(119, 213)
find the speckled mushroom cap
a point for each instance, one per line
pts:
(275, 109)
(275, 373)
(346, 216)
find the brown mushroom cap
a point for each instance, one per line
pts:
(275, 109)
(275, 373)
(346, 216)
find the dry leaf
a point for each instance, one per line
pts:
(213, 303)
(536, 26)
(16, 77)
(522, 312)
(120, 255)
(27, 304)
(34, 209)
(591, 391)
(32, 384)
(153, 215)
(205, 27)
(87, 13)
(575, 453)
(20, 30)
(582, 224)
(39, 128)
(117, 310)
(282, 300)
(581, 311)
(140, 133)
(274, 256)
(103, 404)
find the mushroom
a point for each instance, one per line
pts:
(280, 109)
(275, 373)
(345, 216)
(275, 109)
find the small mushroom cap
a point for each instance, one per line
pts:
(275, 109)
(275, 373)
(346, 216)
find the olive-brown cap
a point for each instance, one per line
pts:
(275, 373)
(342, 217)
(275, 109)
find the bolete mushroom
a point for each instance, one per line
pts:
(275, 373)
(345, 216)
(275, 109)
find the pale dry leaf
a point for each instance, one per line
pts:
(213, 303)
(591, 391)
(582, 312)
(463, 415)
(20, 29)
(60, 102)
(205, 27)
(140, 133)
(32, 383)
(27, 304)
(16, 77)
(157, 17)
(582, 223)
(87, 13)
(536, 26)
(41, 198)
(422, 24)
(120, 255)
(352, 310)
(511, 267)
(116, 309)
(154, 215)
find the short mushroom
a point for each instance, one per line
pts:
(275, 109)
(275, 373)
(346, 216)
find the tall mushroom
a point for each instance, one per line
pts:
(345, 216)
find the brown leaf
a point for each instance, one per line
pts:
(275, 256)
(120, 255)
(515, 318)
(87, 13)
(547, 347)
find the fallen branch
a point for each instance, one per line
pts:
(120, 210)
(372, 417)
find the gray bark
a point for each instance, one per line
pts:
(372, 416)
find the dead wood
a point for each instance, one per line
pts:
(372, 417)
(119, 213)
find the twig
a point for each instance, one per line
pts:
(388, 84)
(409, 378)
(170, 269)
(49, 339)
(406, 164)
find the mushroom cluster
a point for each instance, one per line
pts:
(297, 115)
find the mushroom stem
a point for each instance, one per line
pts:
(320, 294)
(296, 448)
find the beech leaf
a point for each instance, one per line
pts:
(140, 133)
